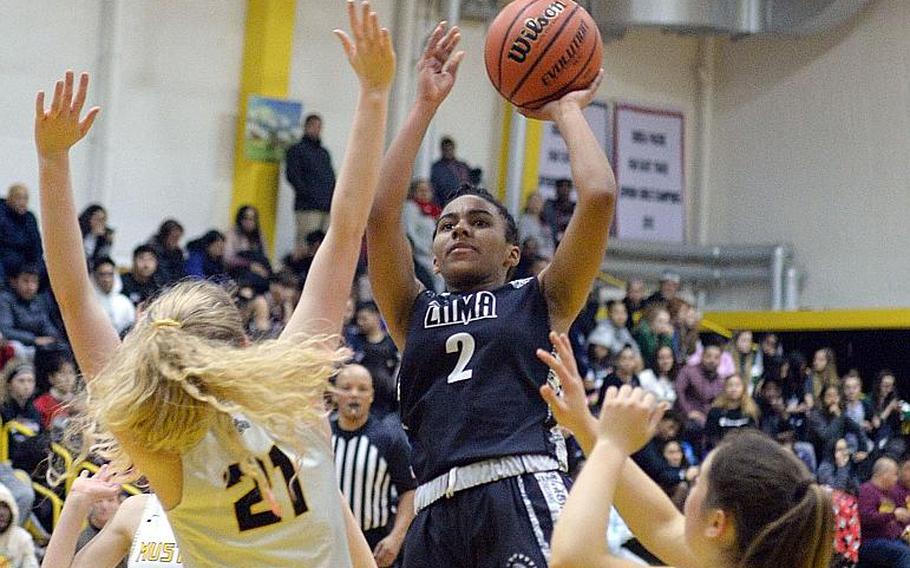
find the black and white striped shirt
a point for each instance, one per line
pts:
(370, 463)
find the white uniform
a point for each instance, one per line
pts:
(154, 545)
(223, 520)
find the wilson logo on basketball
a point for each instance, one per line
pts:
(532, 30)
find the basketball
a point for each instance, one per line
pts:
(538, 50)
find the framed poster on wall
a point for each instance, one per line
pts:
(554, 156)
(649, 161)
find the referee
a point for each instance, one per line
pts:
(373, 465)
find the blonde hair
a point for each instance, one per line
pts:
(186, 369)
(745, 403)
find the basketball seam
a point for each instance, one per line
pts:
(545, 51)
(558, 94)
(505, 40)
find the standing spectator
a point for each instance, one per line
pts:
(634, 301)
(244, 245)
(660, 380)
(886, 419)
(97, 237)
(309, 171)
(57, 369)
(206, 257)
(839, 471)
(653, 331)
(822, 374)
(558, 211)
(20, 241)
(623, 373)
(669, 287)
(420, 215)
(375, 350)
(828, 424)
(732, 409)
(119, 308)
(612, 332)
(882, 519)
(171, 258)
(25, 317)
(17, 550)
(449, 173)
(143, 281)
(373, 458)
(533, 225)
(100, 514)
(696, 388)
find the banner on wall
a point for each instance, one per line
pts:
(272, 126)
(554, 156)
(650, 174)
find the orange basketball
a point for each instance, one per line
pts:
(539, 50)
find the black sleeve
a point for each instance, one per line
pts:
(399, 459)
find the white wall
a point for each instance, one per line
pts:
(812, 146)
(163, 144)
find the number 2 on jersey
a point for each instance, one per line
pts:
(243, 507)
(463, 344)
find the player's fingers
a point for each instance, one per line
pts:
(39, 104)
(58, 96)
(89, 120)
(81, 92)
(451, 40)
(364, 19)
(346, 43)
(451, 66)
(549, 395)
(67, 101)
(433, 40)
(386, 39)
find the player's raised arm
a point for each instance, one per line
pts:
(58, 129)
(391, 268)
(369, 51)
(577, 260)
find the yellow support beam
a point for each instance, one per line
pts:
(827, 320)
(531, 154)
(268, 39)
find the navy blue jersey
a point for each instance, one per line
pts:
(469, 378)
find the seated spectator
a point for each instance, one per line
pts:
(855, 406)
(142, 281)
(245, 248)
(25, 316)
(828, 424)
(769, 352)
(744, 358)
(696, 388)
(839, 471)
(206, 257)
(20, 241)
(300, 260)
(732, 409)
(673, 471)
(634, 301)
(17, 549)
(270, 311)
(119, 309)
(612, 332)
(558, 211)
(822, 374)
(530, 263)
(624, 373)
(686, 322)
(26, 452)
(55, 368)
(661, 379)
(793, 383)
(882, 519)
(100, 514)
(7, 353)
(600, 365)
(533, 225)
(375, 350)
(776, 416)
(171, 258)
(653, 331)
(97, 237)
(669, 287)
(420, 215)
(903, 483)
(886, 418)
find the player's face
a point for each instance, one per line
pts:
(470, 249)
(355, 393)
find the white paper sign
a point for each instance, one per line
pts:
(650, 174)
(554, 156)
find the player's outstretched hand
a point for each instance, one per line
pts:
(580, 99)
(57, 129)
(438, 67)
(628, 418)
(570, 407)
(96, 487)
(370, 49)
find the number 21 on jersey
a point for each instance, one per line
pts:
(464, 345)
(243, 507)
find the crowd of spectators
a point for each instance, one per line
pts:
(854, 441)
